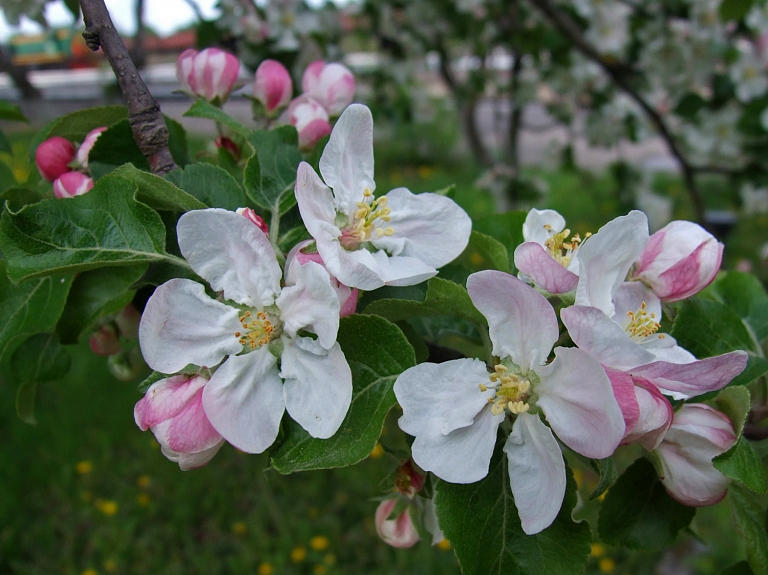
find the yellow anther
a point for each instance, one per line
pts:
(258, 332)
(642, 324)
(518, 407)
(511, 391)
(483, 387)
(388, 231)
(558, 246)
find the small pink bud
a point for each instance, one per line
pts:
(72, 184)
(408, 481)
(211, 73)
(310, 119)
(53, 157)
(273, 86)
(227, 144)
(127, 320)
(679, 260)
(105, 341)
(87, 145)
(333, 85)
(399, 532)
(255, 218)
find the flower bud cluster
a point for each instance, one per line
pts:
(66, 167)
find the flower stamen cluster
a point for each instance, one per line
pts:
(512, 391)
(558, 246)
(259, 331)
(368, 211)
(642, 324)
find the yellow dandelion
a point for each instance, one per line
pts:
(143, 499)
(320, 570)
(239, 528)
(266, 569)
(84, 467)
(445, 545)
(144, 481)
(607, 565)
(425, 171)
(298, 554)
(319, 543)
(90, 572)
(597, 550)
(377, 452)
(107, 507)
(330, 559)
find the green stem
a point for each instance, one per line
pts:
(274, 231)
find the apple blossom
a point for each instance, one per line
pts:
(399, 532)
(697, 435)
(256, 323)
(85, 148)
(71, 184)
(53, 157)
(173, 409)
(333, 85)
(210, 73)
(105, 340)
(310, 119)
(454, 409)
(366, 242)
(272, 85)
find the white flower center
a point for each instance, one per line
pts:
(511, 391)
(560, 248)
(365, 221)
(641, 324)
(257, 331)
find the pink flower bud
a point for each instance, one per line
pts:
(698, 433)
(679, 260)
(211, 73)
(333, 85)
(173, 409)
(347, 296)
(399, 532)
(127, 320)
(105, 341)
(255, 218)
(87, 145)
(273, 86)
(53, 157)
(310, 119)
(227, 144)
(408, 481)
(71, 184)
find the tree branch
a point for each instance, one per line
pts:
(622, 77)
(147, 123)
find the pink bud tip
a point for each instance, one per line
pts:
(210, 74)
(53, 157)
(273, 86)
(72, 184)
(333, 85)
(399, 532)
(85, 148)
(254, 218)
(105, 341)
(310, 119)
(227, 144)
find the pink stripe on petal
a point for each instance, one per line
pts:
(533, 260)
(650, 252)
(624, 392)
(190, 431)
(165, 398)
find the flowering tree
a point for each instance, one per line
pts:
(293, 306)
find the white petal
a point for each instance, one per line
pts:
(231, 254)
(534, 229)
(188, 461)
(429, 227)
(629, 297)
(462, 456)
(315, 203)
(402, 270)
(536, 472)
(577, 398)
(244, 400)
(441, 397)
(318, 387)
(356, 269)
(310, 304)
(347, 161)
(431, 522)
(605, 259)
(181, 326)
(522, 323)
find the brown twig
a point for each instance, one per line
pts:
(147, 123)
(622, 77)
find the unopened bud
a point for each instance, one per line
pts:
(408, 481)
(53, 157)
(333, 85)
(310, 119)
(105, 341)
(72, 184)
(399, 532)
(255, 218)
(211, 73)
(272, 86)
(85, 148)
(229, 145)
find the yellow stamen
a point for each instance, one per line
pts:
(511, 391)
(642, 324)
(258, 332)
(558, 246)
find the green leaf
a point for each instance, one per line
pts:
(377, 352)
(745, 295)
(481, 522)
(442, 297)
(105, 227)
(17, 197)
(153, 377)
(30, 307)
(292, 237)
(270, 173)
(177, 141)
(638, 513)
(740, 568)
(11, 112)
(735, 403)
(741, 463)
(203, 109)
(506, 228)
(96, 293)
(5, 145)
(159, 192)
(211, 185)
(734, 9)
(484, 252)
(25, 402)
(749, 519)
(606, 469)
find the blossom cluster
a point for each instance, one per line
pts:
(67, 168)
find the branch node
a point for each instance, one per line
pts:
(91, 36)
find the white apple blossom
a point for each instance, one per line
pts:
(366, 241)
(256, 323)
(454, 409)
(748, 73)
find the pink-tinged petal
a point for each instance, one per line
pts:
(347, 161)
(332, 84)
(318, 386)
(272, 85)
(349, 304)
(536, 472)
(697, 435)
(540, 223)
(463, 455)
(522, 323)
(188, 461)
(215, 74)
(184, 69)
(71, 184)
(310, 119)
(244, 400)
(315, 202)
(310, 81)
(189, 431)
(181, 325)
(606, 257)
(401, 270)
(53, 157)
(624, 392)
(603, 338)
(357, 269)
(85, 148)
(692, 379)
(630, 298)
(165, 399)
(310, 304)
(312, 132)
(254, 218)
(399, 532)
(441, 397)
(534, 261)
(655, 416)
(429, 227)
(231, 254)
(577, 398)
